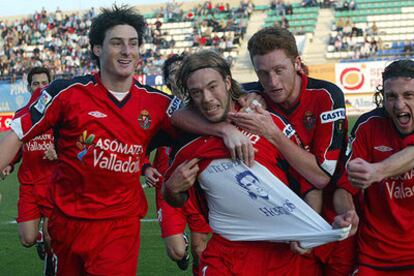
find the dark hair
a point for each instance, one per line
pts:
(273, 38)
(167, 64)
(398, 68)
(201, 60)
(109, 18)
(38, 70)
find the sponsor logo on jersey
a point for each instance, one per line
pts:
(383, 148)
(97, 114)
(39, 143)
(42, 102)
(333, 115)
(309, 120)
(144, 119)
(84, 144)
(400, 187)
(174, 105)
(288, 131)
(116, 156)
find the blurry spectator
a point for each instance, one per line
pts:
(408, 49)
(289, 9)
(352, 5)
(280, 7)
(373, 29)
(284, 22)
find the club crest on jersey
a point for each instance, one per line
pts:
(42, 102)
(144, 119)
(84, 144)
(309, 120)
(340, 125)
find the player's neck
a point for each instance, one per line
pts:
(116, 83)
(295, 92)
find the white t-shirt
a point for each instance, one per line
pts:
(251, 204)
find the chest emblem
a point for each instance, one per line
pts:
(144, 119)
(309, 120)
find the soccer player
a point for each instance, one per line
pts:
(316, 109)
(230, 192)
(172, 220)
(34, 175)
(386, 234)
(104, 124)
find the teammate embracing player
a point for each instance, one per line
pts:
(241, 208)
(316, 109)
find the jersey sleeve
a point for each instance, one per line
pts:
(296, 181)
(330, 130)
(41, 114)
(408, 140)
(172, 105)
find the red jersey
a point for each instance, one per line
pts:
(386, 231)
(318, 116)
(161, 163)
(101, 143)
(35, 168)
(209, 148)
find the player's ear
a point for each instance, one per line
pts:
(227, 82)
(97, 50)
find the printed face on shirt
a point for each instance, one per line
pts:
(278, 76)
(210, 93)
(249, 182)
(38, 80)
(118, 55)
(399, 102)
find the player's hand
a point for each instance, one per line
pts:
(250, 100)
(152, 177)
(183, 177)
(239, 145)
(362, 174)
(50, 154)
(259, 122)
(344, 220)
(295, 247)
(6, 171)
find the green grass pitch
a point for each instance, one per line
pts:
(19, 261)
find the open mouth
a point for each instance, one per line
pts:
(124, 62)
(211, 109)
(403, 118)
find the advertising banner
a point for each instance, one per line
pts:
(359, 77)
(13, 96)
(5, 120)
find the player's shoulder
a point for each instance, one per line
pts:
(328, 88)
(375, 116)
(250, 87)
(61, 85)
(151, 90)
